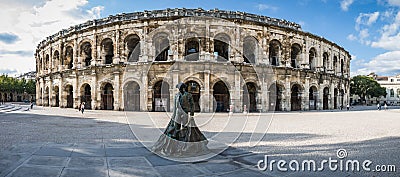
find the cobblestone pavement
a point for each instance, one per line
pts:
(63, 142)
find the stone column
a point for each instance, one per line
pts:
(116, 58)
(94, 89)
(306, 93)
(51, 100)
(288, 97)
(116, 91)
(75, 53)
(236, 97)
(205, 93)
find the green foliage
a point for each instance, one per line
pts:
(366, 86)
(10, 84)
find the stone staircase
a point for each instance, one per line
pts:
(8, 107)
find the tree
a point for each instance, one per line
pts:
(366, 86)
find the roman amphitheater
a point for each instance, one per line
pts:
(230, 60)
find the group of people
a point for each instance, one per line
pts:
(379, 106)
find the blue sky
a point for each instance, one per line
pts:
(368, 29)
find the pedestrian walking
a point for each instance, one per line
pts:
(348, 106)
(82, 107)
(31, 104)
(385, 106)
(378, 106)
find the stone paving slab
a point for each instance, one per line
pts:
(76, 162)
(133, 171)
(85, 172)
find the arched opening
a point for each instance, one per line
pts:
(192, 49)
(132, 47)
(194, 88)
(56, 59)
(250, 49)
(325, 61)
(341, 66)
(312, 97)
(161, 96)
(342, 97)
(56, 96)
(275, 93)
(335, 97)
(12, 96)
(221, 96)
(295, 98)
(221, 47)
(70, 98)
(335, 60)
(161, 44)
(86, 53)
(273, 53)
(86, 96)
(69, 57)
(249, 96)
(132, 96)
(311, 58)
(107, 97)
(47, 62)
(107, 50)
(325, 98)
(46, 96)
(294, 56)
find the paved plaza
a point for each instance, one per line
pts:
(63, 142)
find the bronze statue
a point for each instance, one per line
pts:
(182, 137)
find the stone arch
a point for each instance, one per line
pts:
(69, 57)
(86, 95)
(161, 44)
(132, 47)
(192, 49)
(274, 51)
(222, 42)
(295, 97)
(275, 96)
(56, 96)
(46, 96)
(313, 97)
(107, 96)
(47, 62)
(69, 92)
(250, 90)
(325, 98)
(86, 53)
(221, 96)
(295, 52)
(132, 96)
(56, 58)
(161, 96)
(107, 50)
(335, 61)
(335, 98)
(312, 57)
(250, 49)
(325, 61)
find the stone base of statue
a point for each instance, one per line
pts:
(181, 141)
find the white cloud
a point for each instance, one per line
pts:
(33, 22)
(384, 64)
(345, 4)
(394, 2)
(262, 7)
(351, 37)
(366, 19)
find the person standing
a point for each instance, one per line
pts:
(385, 106)
(378, 106)
(348, 106)
(82, 107)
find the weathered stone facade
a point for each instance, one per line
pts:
(133, 62)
